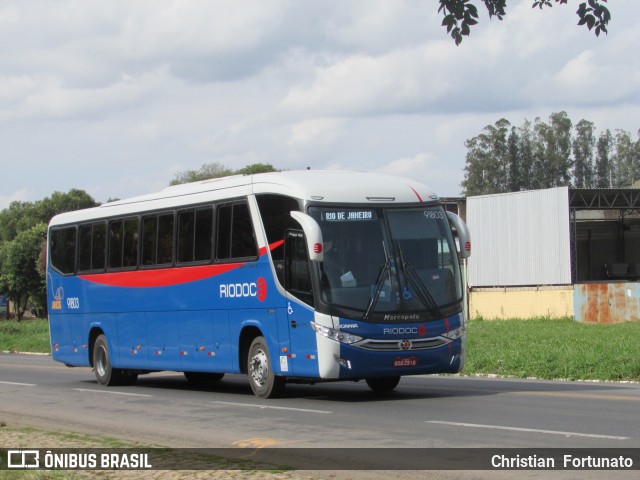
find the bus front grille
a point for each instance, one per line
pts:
(403, 345)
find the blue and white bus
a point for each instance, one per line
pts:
(301, 276)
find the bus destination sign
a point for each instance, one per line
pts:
(348, 215)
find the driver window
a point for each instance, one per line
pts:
(297, 274)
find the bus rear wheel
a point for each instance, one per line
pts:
(105, 373)
(383, 384)
(264, 383)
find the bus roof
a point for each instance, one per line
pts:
(325, 186)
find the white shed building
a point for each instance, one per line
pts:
(556, 252)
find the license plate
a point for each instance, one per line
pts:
(405, 362)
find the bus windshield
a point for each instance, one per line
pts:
(388, 264)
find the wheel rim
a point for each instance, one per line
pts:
(259, 367)
(101, 361)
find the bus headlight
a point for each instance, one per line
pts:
(337, 335)
(454, 334)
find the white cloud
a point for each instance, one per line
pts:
(577, 70)
(321, 131)
(362, 85)
(114, 96)
(21, 195)
(406, 167)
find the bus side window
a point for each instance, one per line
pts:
(115, 243)
(165, 239)
(91, 247)
(235, 236)
(275, 211)
(63, 250)
(157, 240)
(123, 243)
(297, 274)
(195, 235)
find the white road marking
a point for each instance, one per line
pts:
(530, 430)
(253, 405)
(111, 392)
(20, 384)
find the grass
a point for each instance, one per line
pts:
(24, 336)
(554, 349)
(541, 348)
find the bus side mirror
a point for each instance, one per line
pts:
(312, 233)
(464, 239)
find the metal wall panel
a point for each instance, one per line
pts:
(607, 302)
(520, 238)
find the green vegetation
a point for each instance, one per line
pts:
(508, 158)
(23, 227)
(24, 336)
(540, 348)
(460, 15)
(218, 170)
(554, 349)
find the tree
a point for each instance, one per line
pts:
(525, 156)
(487, 169)
(554, 150)
(461, 15)
(20, 277)
(59, 202)
(505, 158)
(217, 170)
(256, 168)
(603, 172)
(21, 248)
(206, 172)
(583, 144)
(515, 172)
(21, 216)
(626, 159)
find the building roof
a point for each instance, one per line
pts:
(604, 198)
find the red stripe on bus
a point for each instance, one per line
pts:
(159, 278)
(414, 191)
(272, 246)
(165, 277)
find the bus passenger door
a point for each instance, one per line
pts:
(300, 311)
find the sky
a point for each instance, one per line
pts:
(117, 97)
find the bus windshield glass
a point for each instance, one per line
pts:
(388, 264)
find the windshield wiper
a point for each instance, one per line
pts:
(411, 276)
(384, 271)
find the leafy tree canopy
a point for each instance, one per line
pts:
(217, 170)
(21, 277)
(505, 158)
(23, 228)
(461, 15)
(21, 216)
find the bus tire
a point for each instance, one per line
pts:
(264, 383)
(383, 384)
(203, 377)
(105, 373)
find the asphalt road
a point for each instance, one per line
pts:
(163, 408)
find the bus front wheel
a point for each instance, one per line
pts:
(383, 384)
(105, 373)
(264, 383)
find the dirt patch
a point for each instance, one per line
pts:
(30, 438)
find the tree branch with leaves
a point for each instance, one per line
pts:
(461, 15)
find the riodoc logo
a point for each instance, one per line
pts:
(256, 289)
